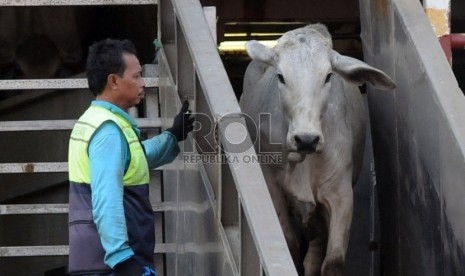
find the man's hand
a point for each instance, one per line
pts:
(131, 267)
(183, 123)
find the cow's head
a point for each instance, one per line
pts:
(305, 63)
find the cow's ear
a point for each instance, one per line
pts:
(356, 71)
(258, 51)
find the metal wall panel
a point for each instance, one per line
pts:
(191, 226)
(418, 140)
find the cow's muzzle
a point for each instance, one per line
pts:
(306, 143)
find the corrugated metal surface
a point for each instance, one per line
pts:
(419, 142)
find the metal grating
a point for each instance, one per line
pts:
(33, 167)
(62, 167)
(80, 83)
(62, 250)
(39, 125)
(26, 209)
(46, 250)
(38, 209)
(75, 2)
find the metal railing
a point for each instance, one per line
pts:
(243, 211)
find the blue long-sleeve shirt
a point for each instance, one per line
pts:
(109, 159)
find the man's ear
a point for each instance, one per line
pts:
(112, 81)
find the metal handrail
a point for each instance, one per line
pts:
(275, 258)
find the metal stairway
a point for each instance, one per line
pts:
(211, 218)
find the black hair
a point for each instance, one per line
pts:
(106, 57)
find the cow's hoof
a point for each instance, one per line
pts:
(333, 267)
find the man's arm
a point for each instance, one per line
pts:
(108, 152)
(161, 149)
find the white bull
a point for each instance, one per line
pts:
(317, 121)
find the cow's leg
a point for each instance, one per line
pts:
(282, 209)
(337, 201)
(316, 247)
(314, 257)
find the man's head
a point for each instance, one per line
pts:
(114, 72)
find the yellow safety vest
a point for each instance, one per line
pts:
(79, 166)
(86, 253)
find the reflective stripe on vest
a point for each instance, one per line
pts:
(79, 165)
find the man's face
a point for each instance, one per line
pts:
(131, 85)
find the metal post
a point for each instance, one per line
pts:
(210, 16)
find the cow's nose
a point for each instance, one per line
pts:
(307, 143)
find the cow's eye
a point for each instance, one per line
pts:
(328, 77)
(281, 78)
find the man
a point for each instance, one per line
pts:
(111, 227)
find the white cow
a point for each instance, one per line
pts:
(317, 119)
